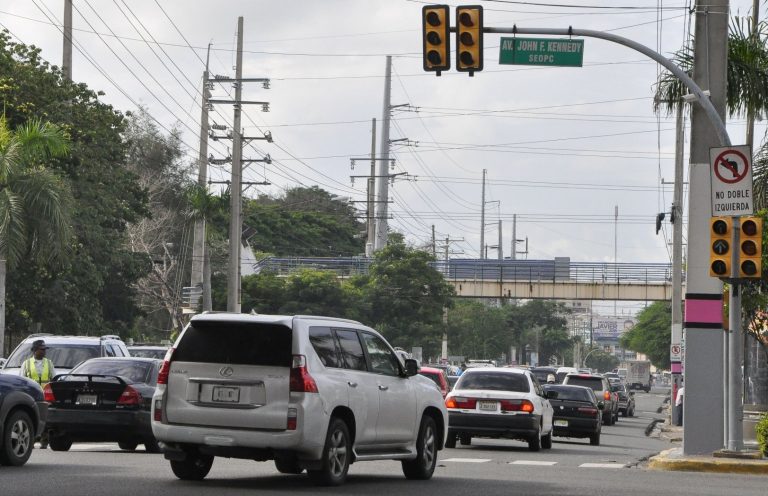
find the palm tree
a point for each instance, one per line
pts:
(35, 203)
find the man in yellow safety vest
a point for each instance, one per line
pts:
(40, 369)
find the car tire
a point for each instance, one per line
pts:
(465, 439)
(608, 420)
(631, 413)
(59, 443)
(450, 440)
(194, 467)
(615, 418)
(288, 466)
(546, 441)
(128, 445)
(18, 439)
(336, 456)
(594, 439)
(534, 443)
(151, 445)
(423, 466)
(623, 412)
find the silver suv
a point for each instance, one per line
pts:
(310, 393)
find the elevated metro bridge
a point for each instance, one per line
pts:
(558, 279)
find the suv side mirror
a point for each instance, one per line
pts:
(600, 405)
(411, 367)
(551, 395)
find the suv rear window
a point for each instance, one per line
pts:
(236, 343)
(595, 383)
(572, 393)
(494, 381)
(62, 356)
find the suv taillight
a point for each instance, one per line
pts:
(165, 368)
(130, 397)
(301, 381)
(607, 395)
(48, 394)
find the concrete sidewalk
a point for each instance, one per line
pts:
(673, 459)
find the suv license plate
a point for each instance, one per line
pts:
(86, 399)
(487, 406)
(225, 394)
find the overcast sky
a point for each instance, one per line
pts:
(563, 147)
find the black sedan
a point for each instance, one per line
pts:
(103, 400)
(22, 418)
(626, 399)
(576, 412)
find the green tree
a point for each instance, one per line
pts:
(35, 203)
(601, 361)
(652, 334)
(477, 330)
(541, 325)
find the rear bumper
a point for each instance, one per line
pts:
(577, 427)
(99, 425)
(306, 442)
(499, 425)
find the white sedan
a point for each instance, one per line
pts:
(499, 403)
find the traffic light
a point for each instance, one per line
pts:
(751, 247)
(437, 40)
(720, 232)
(469, 38)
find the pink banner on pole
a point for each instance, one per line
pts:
(704, 311)
(676, 368)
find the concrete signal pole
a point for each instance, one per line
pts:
(236, 186)
(382, 225)
(66, 60)
(198, 243)
(482, 218)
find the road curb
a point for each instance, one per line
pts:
(672, 460)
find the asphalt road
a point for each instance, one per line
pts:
(487, 467)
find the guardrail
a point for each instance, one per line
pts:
(559, 269)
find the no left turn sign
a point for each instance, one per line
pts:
(731, 180)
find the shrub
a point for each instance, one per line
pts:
(762, 433)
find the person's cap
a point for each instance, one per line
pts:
(39, 344)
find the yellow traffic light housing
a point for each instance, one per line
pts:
(436, 27)
(751, 247)
(720, 233)
(469, 38)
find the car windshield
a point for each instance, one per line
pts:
(62, 356)
(572, 393)
(494, 381)
(595, 383)
(617, 387)
(542, 374)
(148, 352)
(130, 371)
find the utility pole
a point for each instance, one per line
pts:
(447, 252)
(434, 247)
(199, 241)
(501, 250)
(383, 190)
(615, 248)
(704, 366)
(514, 236)
(371, 213)
(677, 262)
(482, 219)
(66, 60)
(235, 191)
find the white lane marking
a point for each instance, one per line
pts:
(467, 460)
(532, 462)
(602, 465)
(93, 446)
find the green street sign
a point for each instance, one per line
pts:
(542, 51)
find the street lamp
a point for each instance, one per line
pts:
(584, 362)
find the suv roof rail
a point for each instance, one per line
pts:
(319, 317)
(38, 335)
(110, 336)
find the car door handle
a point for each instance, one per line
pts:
(383, 388)
(352, 384)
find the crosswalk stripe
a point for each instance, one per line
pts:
(467, 460)
(532, 462)
(602, 465)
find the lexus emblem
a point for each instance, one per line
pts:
(561, 407)
(226, 371)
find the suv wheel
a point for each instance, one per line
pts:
(465, 439)
(534, 444)
(423, 466)
(594, 439)
(336, 455)
(18, 440)
(151, 446)
(193, 467)
(127, 445)
(608, 419)
(59, 443)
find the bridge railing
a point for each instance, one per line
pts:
(557, 270)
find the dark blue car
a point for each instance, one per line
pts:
(22, 418)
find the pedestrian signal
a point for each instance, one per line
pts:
(469, 38)
(720, 231)
(436, 38)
